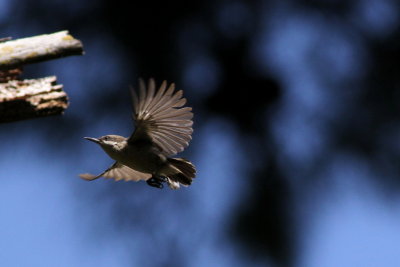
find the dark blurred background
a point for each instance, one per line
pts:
(296, 136)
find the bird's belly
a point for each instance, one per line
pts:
(143, 161)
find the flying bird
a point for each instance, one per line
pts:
(163, 128)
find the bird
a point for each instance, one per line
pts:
(163, 128)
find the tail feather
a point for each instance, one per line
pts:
(186, 168)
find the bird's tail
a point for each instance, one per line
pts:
(187, 171)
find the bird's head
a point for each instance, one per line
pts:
(109, 143)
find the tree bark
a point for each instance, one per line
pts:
(34, 98)
(25, 99)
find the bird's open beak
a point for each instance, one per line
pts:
(97, 141)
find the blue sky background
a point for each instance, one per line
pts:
(340, 175)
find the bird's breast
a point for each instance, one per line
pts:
(141, 158)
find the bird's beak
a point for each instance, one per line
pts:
(97, 141)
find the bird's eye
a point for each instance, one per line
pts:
(106, 138)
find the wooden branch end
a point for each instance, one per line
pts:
(15, 53)
(34, 98)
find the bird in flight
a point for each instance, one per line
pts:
(163, 128)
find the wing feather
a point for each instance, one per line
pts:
(160, 115)
(182, 131)
(118, 172)
(158, 96)
(168, 100)
(150, 94)
(142, 95)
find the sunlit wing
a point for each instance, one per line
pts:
(118, 172)
(160, 116)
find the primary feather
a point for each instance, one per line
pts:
(161, 117)
(118, 172)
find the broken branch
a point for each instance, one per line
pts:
(15, 53)
(31, 98)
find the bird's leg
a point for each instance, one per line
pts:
(156, 181)
(162, 179)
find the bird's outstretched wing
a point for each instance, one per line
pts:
(160, 117)
(118, 172)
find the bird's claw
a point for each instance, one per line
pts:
(156, 181)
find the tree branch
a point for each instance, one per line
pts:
(37, 97)
(31, 98)
(38, 48)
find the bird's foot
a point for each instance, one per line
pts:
(157, 181)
